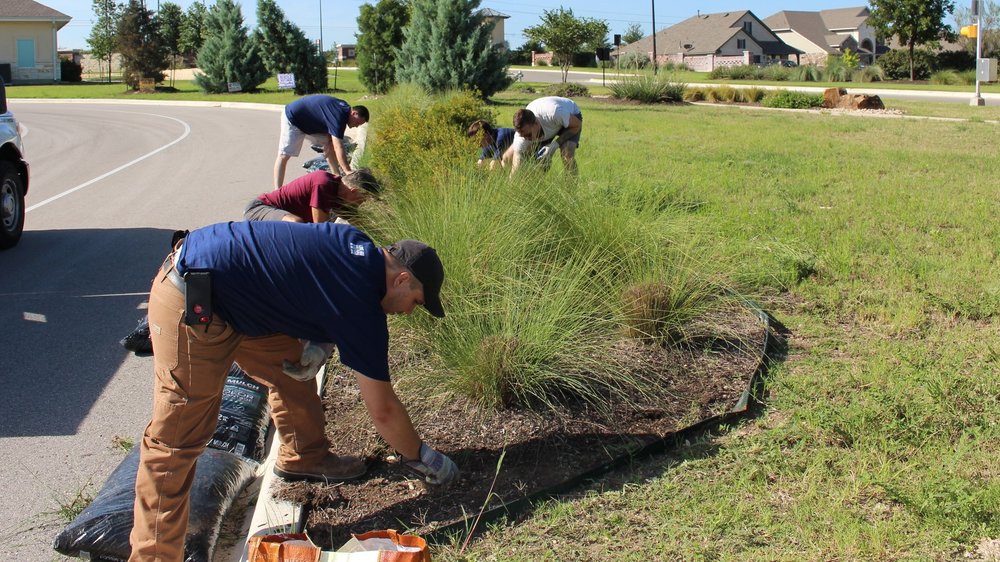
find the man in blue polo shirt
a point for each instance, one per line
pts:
(249, 292)
(323, 119)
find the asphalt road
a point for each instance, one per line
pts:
(549, 75)
(109, 185)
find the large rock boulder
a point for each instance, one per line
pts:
(838, 98)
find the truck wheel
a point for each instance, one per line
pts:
(11, 205)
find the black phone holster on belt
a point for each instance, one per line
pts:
(197, 298)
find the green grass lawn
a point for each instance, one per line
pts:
(875, 241)
(878, 437)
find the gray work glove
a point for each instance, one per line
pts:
(434, 467)
(314, 356)
(546, 152)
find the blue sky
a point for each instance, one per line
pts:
(339, 22)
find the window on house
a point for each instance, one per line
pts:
(741, 43)
(748, 27)
(26, 53)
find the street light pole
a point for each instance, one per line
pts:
(653, 6)
(321, 30)
(977, 11)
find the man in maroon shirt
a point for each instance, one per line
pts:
(314, 197)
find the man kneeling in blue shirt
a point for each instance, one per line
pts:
(273, 284)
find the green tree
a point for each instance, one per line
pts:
(193, 30)
(285, 48)
(449, 46)
(632, 33)
(380, 36)
(229, 54)
(169, 20)
(913, 22)
(565, 35)
(140, 45)
(103, 39)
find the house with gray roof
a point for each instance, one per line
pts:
(706, 41)
(29, 52)
(489, 16)
(827, 32)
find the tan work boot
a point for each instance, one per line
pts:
(332, 468)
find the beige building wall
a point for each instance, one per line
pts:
(43, 35)
(497, 36)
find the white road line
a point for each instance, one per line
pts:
(187, 131)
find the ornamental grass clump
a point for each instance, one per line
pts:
(647, 87)
(539, 268)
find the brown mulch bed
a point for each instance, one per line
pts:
(508, 455)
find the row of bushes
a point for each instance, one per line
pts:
(651, 88)
(834, 72)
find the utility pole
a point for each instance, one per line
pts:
(653, 6)
(976, 11)
(321, 30)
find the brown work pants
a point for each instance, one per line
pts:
(190, 365)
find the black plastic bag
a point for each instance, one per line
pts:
(229, 464)
(138, 341)
(101, 531)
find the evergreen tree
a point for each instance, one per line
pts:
(139, 43)
(285, 48)
(169, 19)
(103, 39)
(380, 36)
(449, 47)
(229, 54)
(193, 30)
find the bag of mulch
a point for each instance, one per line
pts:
(244, 418)
(380, 546)
(228, 465)
(101, 531)
(138, 341)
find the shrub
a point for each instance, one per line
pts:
(648, 88)
(71, 71)
(416, 134)
(871, 73)
(896, 64)
(791, 100)
(955, 60)
(634, 61)
(521, 87)
(751, 95)
(567, 90)
(806, 73)
(953, 78)
(775, 73)
(694, 94)
(837, 71)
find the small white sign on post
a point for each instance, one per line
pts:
(234, 87)
(286, 81)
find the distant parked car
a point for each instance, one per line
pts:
(13, 176)
(788, 63)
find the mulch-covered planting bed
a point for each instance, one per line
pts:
(513, 453)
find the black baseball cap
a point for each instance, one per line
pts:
(423, 261)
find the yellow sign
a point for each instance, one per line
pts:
(969, 31)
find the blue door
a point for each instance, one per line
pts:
(26, 53)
